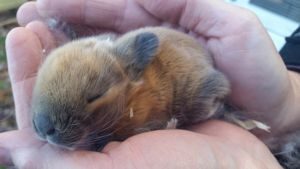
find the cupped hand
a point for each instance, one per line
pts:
(212, 145)
(235, 38)
(206, 147)
(238, 44)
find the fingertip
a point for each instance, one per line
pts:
(42, 32)
(12, 37)
(120, 16)
(27, 13)
(18, 37)
(42, 6)
(22, 46)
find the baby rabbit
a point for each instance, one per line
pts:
(94, 90)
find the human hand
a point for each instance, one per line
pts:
(237, 41)
(205, 146)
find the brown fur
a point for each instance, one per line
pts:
(180, 82)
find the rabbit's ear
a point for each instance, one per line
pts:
(137, 53)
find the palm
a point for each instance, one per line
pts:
(161, 149)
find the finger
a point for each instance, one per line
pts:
(24, 51)
(120, 15)
(47, 40)
(166, 10)
(27, 13)
(205, 17)
(186, 13)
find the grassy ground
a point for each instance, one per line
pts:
(7, 120)
(7, 22)
(2, 49)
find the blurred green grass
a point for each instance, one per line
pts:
(7, 13)
(2, 50)
(3, 84)
(6, 5)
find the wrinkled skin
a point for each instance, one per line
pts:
(260, 82)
